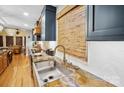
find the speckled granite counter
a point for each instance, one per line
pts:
(79, 78)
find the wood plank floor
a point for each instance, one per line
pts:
(18, 73)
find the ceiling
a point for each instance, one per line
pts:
(13, 15)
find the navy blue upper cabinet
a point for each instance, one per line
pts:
(48, 24)
(105, 22)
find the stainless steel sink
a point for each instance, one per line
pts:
(44, 65)
(47, 71)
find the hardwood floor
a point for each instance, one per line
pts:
(18, 73)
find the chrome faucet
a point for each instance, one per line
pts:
(64, 57)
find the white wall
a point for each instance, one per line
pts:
(106, 60)
(52, 44)
(29, 40)
(60, 7)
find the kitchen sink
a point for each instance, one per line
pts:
(44, 65)
(49, 71)
(49, 75)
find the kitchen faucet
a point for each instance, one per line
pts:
(64, 57)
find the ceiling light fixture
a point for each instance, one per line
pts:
(26, 14)
(17, 32)
(26, 25)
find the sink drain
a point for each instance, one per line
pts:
(51, 77)
(45, 80)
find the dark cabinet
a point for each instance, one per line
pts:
(25, 41)
(105, 22)
(33, 38)
(19, 41)
(1, 41)
(37, 37)
(9, 41)
(48, 23)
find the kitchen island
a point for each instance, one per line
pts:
(5, 58)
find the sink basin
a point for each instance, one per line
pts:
(48, 72)
(49, 75)
(44, 65)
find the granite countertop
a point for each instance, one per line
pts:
(79, 77)
(3, 50)
(81, 80)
